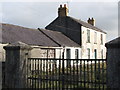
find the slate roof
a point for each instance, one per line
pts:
(13, 33)
(85, 24)
(59, 38)
(114, 43)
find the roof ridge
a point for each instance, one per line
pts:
(114, 40)
(58, 33)
(49, 37)
(92, 27)
(18, 26)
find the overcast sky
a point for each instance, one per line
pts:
(40, 14)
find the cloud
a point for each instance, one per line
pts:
(105, 14)
(40, 14)
(29, 14)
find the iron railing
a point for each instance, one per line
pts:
(66, 73)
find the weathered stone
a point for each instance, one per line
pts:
(15, 71)
(113, 64)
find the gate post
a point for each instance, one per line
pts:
(113, 64)
(15, 71)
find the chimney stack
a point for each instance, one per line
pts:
(63, 11)
(91, 21)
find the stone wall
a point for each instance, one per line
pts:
(53, 52)
(38, 52)
(113, 68)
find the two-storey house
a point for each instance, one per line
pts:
(91, 39)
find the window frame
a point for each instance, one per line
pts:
(95, 53)
(88, 36)
(88, 53)
(95, 37)
(101, 39)
(76, 53)
(68, 56)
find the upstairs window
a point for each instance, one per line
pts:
(88, 36)
(95, 37)
(101, 38)
(76, 54)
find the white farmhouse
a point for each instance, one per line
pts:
(90, 38)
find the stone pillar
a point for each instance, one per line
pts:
(15, 65)
(113, 66)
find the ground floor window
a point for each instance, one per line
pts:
(68, 54)
(76, 54)
(88, 53)
(95, 53)
(102, 54)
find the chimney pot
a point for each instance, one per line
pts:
(92, 18)
(65, 5)
(60, 6)
(91, 21)
(63, 11)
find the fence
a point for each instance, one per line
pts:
(66, 73)
(3, 74)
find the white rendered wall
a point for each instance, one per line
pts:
(92, 45)
(2, 52)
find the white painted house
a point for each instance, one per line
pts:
(90, 38)
(93, 43)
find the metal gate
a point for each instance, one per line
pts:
(66, 73)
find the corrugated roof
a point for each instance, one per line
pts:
(86, 24)
(13, 33)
